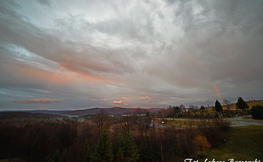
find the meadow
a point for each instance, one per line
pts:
(243, 143)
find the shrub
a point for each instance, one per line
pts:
(257, 112)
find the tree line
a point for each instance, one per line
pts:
(129, 138)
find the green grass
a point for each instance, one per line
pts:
(244, 143)
(183, 122)
(180, 123)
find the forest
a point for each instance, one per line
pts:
(133, 137)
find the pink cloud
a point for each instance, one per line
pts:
(125, 98)
(40, 100)
(120, 101)
(146, 97)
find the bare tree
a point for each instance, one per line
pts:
(191, 106)
(227, 103)
(162, 113)
(142, 119)
(101, 118)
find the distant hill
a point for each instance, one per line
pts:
(49, 111)
(41, 111)
(67, 113)
(110, 111)
(21, 115)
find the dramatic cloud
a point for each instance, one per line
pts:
(91, 53)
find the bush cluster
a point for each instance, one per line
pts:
(257, 112)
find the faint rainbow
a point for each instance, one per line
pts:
(57, 71)
(198, 63)
(205, 72)
(53, 78)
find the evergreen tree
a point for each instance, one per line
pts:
(86, 152)
(150, 151)
(218, 106)
(130, 149)
(176, 110)
(156, 151)
(64, 156)
(127, 149)
(119, 147)
(202, 108)
(55, 156)
(241, 104)
(103, 150)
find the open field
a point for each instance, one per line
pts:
(244, 143)
(233, 105)
(184, 122)
(250, 104)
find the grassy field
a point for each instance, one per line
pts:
(185, 123)
(244, 143)
(180, 123)
(233, 105)
(250, 104)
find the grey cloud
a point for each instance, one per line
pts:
(163, 49)
(45, 3)
(51, 48)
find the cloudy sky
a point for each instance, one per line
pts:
(137, 53)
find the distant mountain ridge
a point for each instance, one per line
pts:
(40, 111)
(110, 111)
(85, 112)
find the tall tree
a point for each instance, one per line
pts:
(156, 151)
(119, 147)
(241, 104)
(218, 106)
(146, 150)
(86, 152)
(150, 151)
(127, 149)
(176, 110)
(130, 149)
(103, 150)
